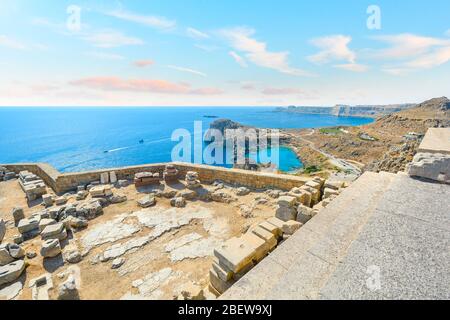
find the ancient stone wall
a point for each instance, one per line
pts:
(63, 182)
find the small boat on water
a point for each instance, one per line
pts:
(141, 141)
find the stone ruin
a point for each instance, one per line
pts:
(192, 180)
(146, 178)
(170, 173)
(431, 166)
(6, 175)
(33, 186)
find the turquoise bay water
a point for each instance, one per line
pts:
(74, 139)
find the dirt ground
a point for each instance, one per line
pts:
(98, 279)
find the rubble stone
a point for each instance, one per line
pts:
(147, 201)
(11, 271)
(54, 231)
(17, 214)
(68, 290)
(50, 248)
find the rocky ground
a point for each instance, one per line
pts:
(132, 252)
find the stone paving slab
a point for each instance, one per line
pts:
(437, 140)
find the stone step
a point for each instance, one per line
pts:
(300, 266)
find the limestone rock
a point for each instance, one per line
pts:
(188, 194)
(2, 229)
(222, 196)
(50, 248)
(40, 287)
(117, 263)
(29, 224)
(82, 194)
(11, 291)
(45, 222)
(54, 231)
(290, 227)
(147, 201)
(5, 256)
(17, 214)
(329, 192)
(191, 291)
(118, 198)
(11, 271)
(242, 191)
(60, 201)
(71, 254)
(68, 290)
(433, 166)
(178, 202)
(47, 200)
(31, 254)
(304, 214)
(16, 251)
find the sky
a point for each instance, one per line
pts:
(223, 52)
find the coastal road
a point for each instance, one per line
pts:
(338, 162)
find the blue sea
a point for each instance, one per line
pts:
(75, 139)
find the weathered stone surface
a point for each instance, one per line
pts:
(90, 210)
(50, 248)
(29, 224)
(60, 201)
(222, 196)
(109, 231)
(40, 287)
(104, 178)
(101, 191)
(54, 231)
(147, 201)
(329, 192)
(16, 251)
(149, 285)
(31, 254)
(71, 254)
(335, 185)
(46, 222)
(276, 231)
(217, 283)
(118, 198)
(223, 273)
(75, 223)
(82, 194)
(188, 194)
(274, 193)
(191, 246)
(122, 183)
(68, 290)
(286, 213)
(12, 291)
(287, 201)
(17, 214)
(178, 202)
(117, 263)
(18, 239)
(5, 256)
(304, 214)
(290, 227)
(242, 191)
(11, 271)
(47, 200)
(314, 184)
(2, 229)
(120, 249)
(112, 177)
(434, 166)
(267, 236)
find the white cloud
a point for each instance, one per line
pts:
(332, 48)
(335, 48)
(447, 32)
(256, 51)
(104, 56)
(156, 22)
(111, 39)
(355, 67)
(11, 43)
(407, 45)
(413, 52)
(188, 70)
(196, 34)
(239, 60)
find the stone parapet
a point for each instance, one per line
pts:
(64, 182)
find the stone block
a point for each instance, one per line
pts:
(313, 184)
(217, 283)
(54, 231)
(112, 177)
(11, 271)
(104, 178)
(304, 214)
(286, 213)
(17, 214)
(267, 236)
(47, 200)
(287, 201)
(276, 231)
(147, 201)
(45, 222)
(60, 201)
(29, 224)
(50, 248)
(2, 229)
(290, 227)
(329, 192)
(223, 273)
(5, 256)
(235, 254)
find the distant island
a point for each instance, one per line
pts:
(347, 111)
